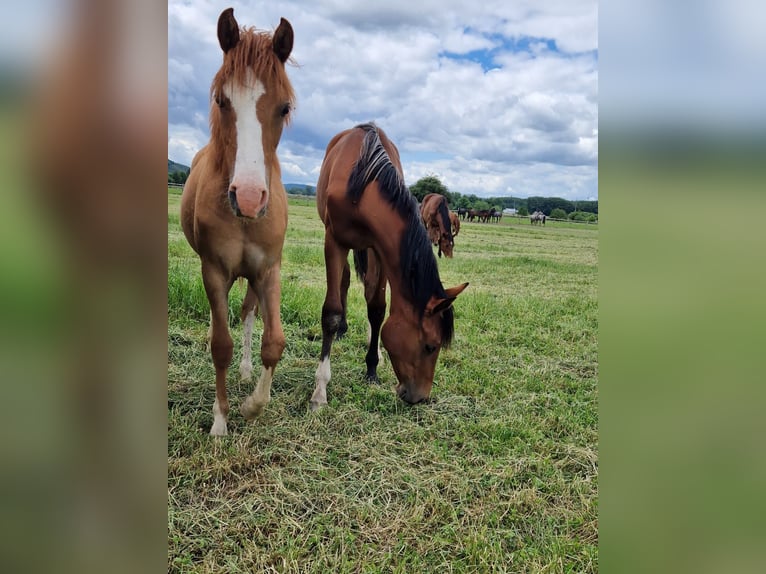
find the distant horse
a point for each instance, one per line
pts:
(483, 215)
(497, 215)
(234, 207)
(435, 215)
(537, 217)
(455, 221)
(471, 214)
(462, 212)
(365, 206)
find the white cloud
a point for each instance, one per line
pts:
(517, 120)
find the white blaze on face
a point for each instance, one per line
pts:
(249, 178)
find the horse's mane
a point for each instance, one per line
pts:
(420, 274)
(254, 51)
(444, 214)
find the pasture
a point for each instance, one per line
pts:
(498, 474)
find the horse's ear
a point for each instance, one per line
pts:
(228, 30)
(283, 40)
(436, 306)
(455, 291)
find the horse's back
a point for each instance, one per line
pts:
(351, 222)
(341, 155)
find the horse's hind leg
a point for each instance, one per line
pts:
(221, 345)
(248, 314)
(345, 282)
(268, 291)
(336, 258)
(375, 295)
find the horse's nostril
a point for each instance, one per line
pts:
(233, 200)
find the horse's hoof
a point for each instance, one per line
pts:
(372, 379)
(219, 429)
(315, 406)
(250, 409)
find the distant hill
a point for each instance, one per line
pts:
(173, 167)
(300, 189)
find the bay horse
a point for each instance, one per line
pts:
(455, 221)
(234, 206)
(435, 214)
(366, 207)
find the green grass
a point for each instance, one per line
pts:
(498, 474)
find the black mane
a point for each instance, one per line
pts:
(444, 214)
(420, 274)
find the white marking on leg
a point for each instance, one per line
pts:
(219, 421)
(254, 404)
(246, 366)
(322, 376)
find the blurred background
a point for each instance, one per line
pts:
(83, 120)
(682, 163)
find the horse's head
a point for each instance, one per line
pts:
(446, 241)
(253, 98)
(413, 344)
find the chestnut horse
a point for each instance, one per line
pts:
(365, 206)
(435, 215)
(234, 207)
(455, 221)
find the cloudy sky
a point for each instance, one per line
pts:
(493, 97)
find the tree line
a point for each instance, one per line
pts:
(555, 207)
(523, 205)
(178, 177)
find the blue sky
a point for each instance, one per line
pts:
(494, 98)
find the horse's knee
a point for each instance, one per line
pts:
(222, 350)
(271, 350)
(331, 320)
(376, 313)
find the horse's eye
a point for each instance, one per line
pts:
(429, 349)
(285, 110)
(220, 101)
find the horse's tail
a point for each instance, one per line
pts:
(360, 263)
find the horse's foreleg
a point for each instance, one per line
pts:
(375, 295)
(249, 311)
(336, 259)
(221, 345)
(272, 343)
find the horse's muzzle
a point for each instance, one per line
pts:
(247, 202)
(408, 397)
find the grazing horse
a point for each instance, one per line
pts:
(435, 215)
(483, 215)
(462, 212)
(365, 206)
(234, 207)
(537, 217)
(455, 221)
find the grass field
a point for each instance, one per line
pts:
(498, 474)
